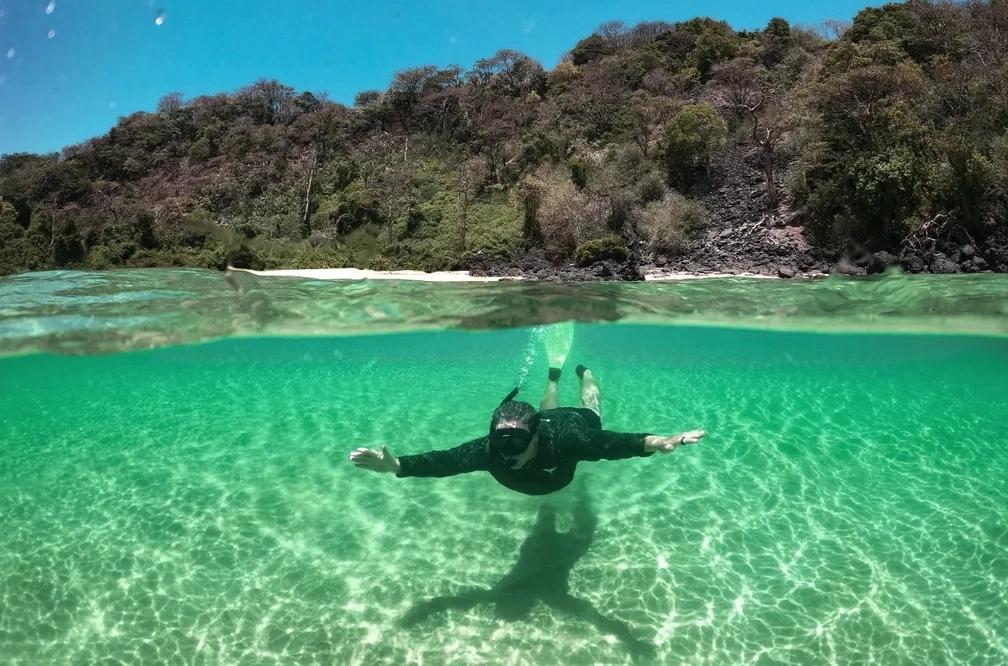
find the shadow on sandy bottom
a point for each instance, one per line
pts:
(540, 575)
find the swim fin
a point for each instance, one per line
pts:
(558, 341)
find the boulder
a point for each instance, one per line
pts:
(966, 252)
(886, 259)
(912, 263)
(950, 250)
(847, 267)
(942, 264)
(786, 272)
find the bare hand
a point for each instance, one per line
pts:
(668, 444)
(376, 461)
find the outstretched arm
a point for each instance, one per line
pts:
(468, 457)
(609, 445)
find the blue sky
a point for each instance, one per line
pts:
(70, 68)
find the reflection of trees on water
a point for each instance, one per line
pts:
(541, 574)
(513, 305)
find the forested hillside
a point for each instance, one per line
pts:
(677, 144)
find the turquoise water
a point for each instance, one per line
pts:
(194, 503)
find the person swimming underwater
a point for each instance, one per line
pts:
(529, 451)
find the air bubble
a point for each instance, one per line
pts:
(10, 54)
(51, 7)
(52, 33)
(160, 18)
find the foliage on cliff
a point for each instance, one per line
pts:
(883, 132)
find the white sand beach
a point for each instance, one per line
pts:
(465, 276)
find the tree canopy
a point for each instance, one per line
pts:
(875, 130)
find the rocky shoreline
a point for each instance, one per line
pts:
(744, 237)
(780, 261)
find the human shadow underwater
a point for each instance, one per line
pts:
(541, 574)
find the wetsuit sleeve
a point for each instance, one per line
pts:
(468, 457)
(591, 444)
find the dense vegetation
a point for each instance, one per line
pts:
(889, 132)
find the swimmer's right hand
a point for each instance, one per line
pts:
(376, 461)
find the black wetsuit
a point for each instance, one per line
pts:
(566, 436)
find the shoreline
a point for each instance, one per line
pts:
(351, 274)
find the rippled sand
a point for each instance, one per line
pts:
(195, 505)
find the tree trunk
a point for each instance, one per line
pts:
(768, 171)
(305, 223)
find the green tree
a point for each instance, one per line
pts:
(591, 48)
(690, 141)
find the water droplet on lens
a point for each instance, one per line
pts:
(112, 104)
(50, 7)
(52, 33)
(10, 53)
(160, 18)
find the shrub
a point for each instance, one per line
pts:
(690, 140)
(567, 217)
(608, 247)
(651, 188)
(23, 254)
(110, 255)
(580, 168)
(8, 214)
(9, 232)
(667, 224)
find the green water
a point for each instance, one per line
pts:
(174, 482)
(194, 504)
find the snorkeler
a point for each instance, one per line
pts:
(532, 452)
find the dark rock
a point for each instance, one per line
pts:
(943, 265)
(967, 252)
(786, 272)
(950, 250)
(804, 261)
(860, 256)
(794, 218)
(875, 266)
(847, 267)
(979, 264)
(886, 259)
(912, 263)
(725, 233)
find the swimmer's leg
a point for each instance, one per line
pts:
(589, 390)
(549, 399)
